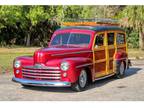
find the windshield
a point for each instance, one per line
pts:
(71, 39)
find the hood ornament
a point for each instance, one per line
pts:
(38, 66)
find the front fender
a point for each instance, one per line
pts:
(120, 55)
(76, 64)
(25, 61)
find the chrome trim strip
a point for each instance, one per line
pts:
(34, 71)
(41, 74)
(41, 83)
(45, 77)
(100, 61)
(43, 67)
(104, 77)
(72, 53)
(83, 65)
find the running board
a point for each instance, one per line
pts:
(104, 77)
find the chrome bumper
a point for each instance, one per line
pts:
(41, 83)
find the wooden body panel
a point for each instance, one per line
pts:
(104, 56)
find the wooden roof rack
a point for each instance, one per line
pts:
(91, 22)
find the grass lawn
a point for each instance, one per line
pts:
(7, 56)
(136, 53)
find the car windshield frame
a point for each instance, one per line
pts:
(71, 40)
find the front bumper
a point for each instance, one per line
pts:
(41, 83)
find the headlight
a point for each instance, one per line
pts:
(17, 64)
(64, 66)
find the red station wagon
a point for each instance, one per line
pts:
(79, 53)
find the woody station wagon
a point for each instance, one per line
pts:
(79, 53)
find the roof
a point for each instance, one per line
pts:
(94, 28)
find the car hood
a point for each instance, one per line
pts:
(44, 54)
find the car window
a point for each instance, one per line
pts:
(99, 40)
(120, 38)
(60, 39)
(110, 38)
(71, 39)
(79, 39)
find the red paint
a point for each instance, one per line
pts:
(120, 54)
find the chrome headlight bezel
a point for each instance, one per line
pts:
(64, 66)
(17, 64)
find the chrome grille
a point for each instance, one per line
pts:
(41, 74)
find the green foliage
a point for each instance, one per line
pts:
(10, 15)
(36, 14)
(34, 25)
(19, 24)
(132, 38)
(133, 17)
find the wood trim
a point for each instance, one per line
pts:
(111, 71)
(99, 48)
(108, 72)
(126, 43)
(107, 53)
(111, 58)
(106, 76)
(100, 74)
(121, 46)
(115, 31)
(100, 60)
(111, 47)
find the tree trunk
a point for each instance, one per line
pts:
(28, 40)
(141, 40)
(28, 36)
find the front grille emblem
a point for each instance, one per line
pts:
(38, 66)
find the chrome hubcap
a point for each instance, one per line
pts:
(83, 78)
(122, 68)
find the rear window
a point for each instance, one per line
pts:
(110, 38)
(120, 38)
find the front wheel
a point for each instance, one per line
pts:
(81, 83)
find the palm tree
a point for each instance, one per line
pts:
(134, 17)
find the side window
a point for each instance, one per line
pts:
(120, 38)
(110, 38)
(99, 40)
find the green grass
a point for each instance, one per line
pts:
(7, 55)
(136, 53)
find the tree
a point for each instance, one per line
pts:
(26, 24)
(22, 22)
(10, 16)
(34, 15)
(132, 16)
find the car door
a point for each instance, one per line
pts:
(99, 55)
(111, 43)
